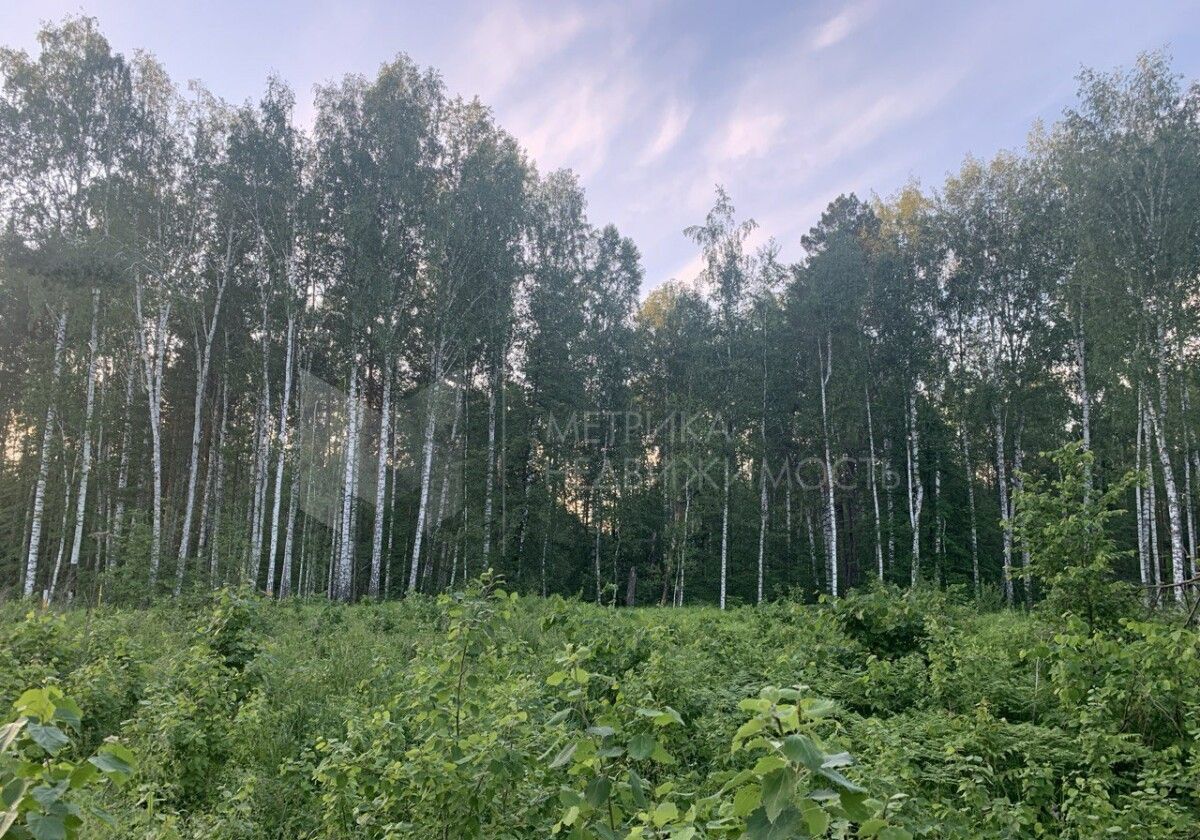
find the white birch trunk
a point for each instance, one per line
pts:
(426, 468)
(1174, 516)
(825, 362)
(874, 487)
(1140, 502)
(1184, 411)
(1018, 484)
(204, 360)
(1085, 397)
(812, 548)
(341, 581)
(490, 478)
(153, 358)
(85, 464)
(1005, 523)
(262, 462)
(596, 521)
(49, 592)
(284, 429)
(39, 492)
(118, 516)
(916, 489)
(285, 563)
(724, 532)
(966, 445)
(381, 464)
(444, 495)
(219, 493)
(762, 525)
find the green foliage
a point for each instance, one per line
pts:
(886, 620)
(40, 789)
(487, 715)
(1064, 526)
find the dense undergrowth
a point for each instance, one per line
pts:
(492, 716)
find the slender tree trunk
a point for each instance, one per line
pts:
(890, 502)
(219, 494)
(118, 516)
(1143, 529)
(342, 581)
(1184, 411)
(153, 358)
(39, 493)
(597, 518)
(262, 463)
(1085, 397)
(527, 481)
(1158, 419)
(210, 466)
(874, 487)
(683, 550)
(381, 481)
(966, 446)
(285, 563)
(1005, 521)
(1019, 484)
(426, 467)
(762, 524)
(725, 531)
(548, 521)
(812, 548)
(284, 403)
(48, 593)
(203, 359)
(444, 495)
(825, 361)
(490, 479)
(916, 489)
(85, 464)
(787, 517)
(1152, 518)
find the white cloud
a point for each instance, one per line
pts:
(750, 133)
(511, 40)
(572, 123)
(674, 121)
(839, 26)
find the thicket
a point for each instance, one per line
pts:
(886, 714)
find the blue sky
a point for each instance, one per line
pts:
(655, 102)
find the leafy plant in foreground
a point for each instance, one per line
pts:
(37, 787)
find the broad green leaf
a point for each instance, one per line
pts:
(785, 827)
(747, 799)
(777, 792)
(842, 759)
(801, 750)
(115, 761)
(597, 791)
(871, 827)
(637, 789)
(816, 818)
(839, 780)
(641, 746)
(45, 826)
(664, 813)
(47, 736)
(564, 755)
